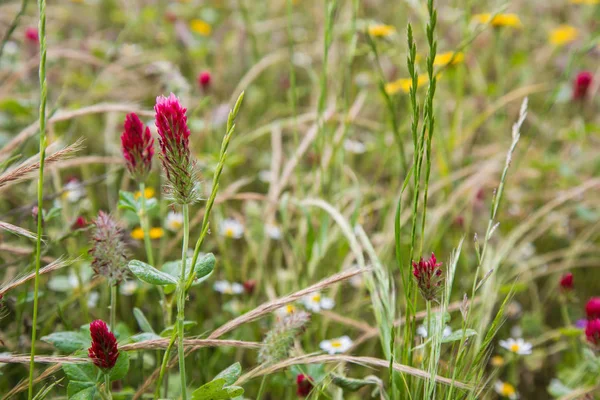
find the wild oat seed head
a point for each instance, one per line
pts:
(108, 249)
(279, 340)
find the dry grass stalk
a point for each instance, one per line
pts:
(57, 264)
(17, 230)
(195, 343)
(24, 359)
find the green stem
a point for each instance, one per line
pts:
(145, 227)
(163, 367)
(262, 387)
(107, 385)
(40, 188)
(113, 307)
(181, 300)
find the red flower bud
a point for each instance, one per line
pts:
(104, 351)
(592, 308)
(304, 383)
(429, 276)
(204, 80)
(249, 286)
(592, 332)
(80, 223)
(566, 282)
(138, 147)
(581, 85)
(32, 35)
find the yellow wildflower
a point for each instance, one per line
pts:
(587, 2)
(404, 84)
(148, 193)
(498, 20)
(497, 361)
(200, 27)
(381, 30)
(155, 233)
(563, 34)
(448, 57)
(137, 234)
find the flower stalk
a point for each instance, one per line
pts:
(181, 300)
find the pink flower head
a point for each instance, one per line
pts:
(204, 80)
(592, 308)
(429, 276)
(566, 282)
(304, 383)
(138, 147)
(171, 123)
(32, 35)
(581, 85)
(104, 351)
(592, 331)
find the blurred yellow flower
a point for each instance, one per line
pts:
(449, 57)
(155, 233)
(563, 34)
(497, 361)
(381, 30)
(200, 27)
(404, 84)
(588, 2)
(148, 193)
(498, 20)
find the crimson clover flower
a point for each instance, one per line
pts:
(592, 331)
(108, 249)
(592, 308)
(582, 84)
(304, 384)
(138, 147)
(204, 79)
(428, 275)
(174, 134)
(32, 35)
(103, 351)
(566, 282)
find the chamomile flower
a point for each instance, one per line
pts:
(422, 331)
(273, 231)
(517, 346)
(286, 310)
(174, 221)
(505, 389)
(315, 302)
(73, 191)
(231, 228)
(354, 146)
(226, 287)
(336, 346)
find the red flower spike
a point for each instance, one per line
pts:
(566, 282)
(138, 147)
(304, 383)
(592, 332)
(581, 85)
(104, 351)
(249, 286)
(32, 35)
(204, 80)
(171, 123)
(592, 308)
(428, 275)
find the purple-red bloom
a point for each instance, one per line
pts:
(592, 331)
(592, 308)
(566, 282)
(32, 35)
(429, 276)
(581, 85)
(104, 351)
(80, 223)
(304, 383)
(138, 147)
(204, 80)
(171, 123)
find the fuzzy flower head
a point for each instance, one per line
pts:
(315, 302)
(138, 147)
(592, 308)
(428, 275)
(108, 249)
(335, 346)
(176, 158)
(566, 282)
(204, 79)
(304, 385)
(517, 346)
(592, 332)
(581, 85)
(279, 340)
(103, 352)
(505, 389)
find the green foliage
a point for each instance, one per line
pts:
(149, 274)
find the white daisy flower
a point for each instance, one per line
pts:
(506, 390)
(354, 146)
(422, 331)
(273, 231)
(286, 310)
(335, 346)
(231, 228)
(315, 302)
(174, 221)
(92, 300)
(517, 346)
(128, 288)
(227, 287)
(73, 191)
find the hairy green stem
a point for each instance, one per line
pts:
(40, 188)
(181, 300)
(145, 226)
(107, 383)
(113, 306)
(163, 367)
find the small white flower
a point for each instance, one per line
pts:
(335, 346)
(265, 176)
(226, 287)
(422, 331)
(286, 310)
(92, 299)
(315, 302)
(174, 221)
(517, 346)
(128, 288)
(506, 390)
(231, 228)
(273, 231)
(73, 191)
(354, 146)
